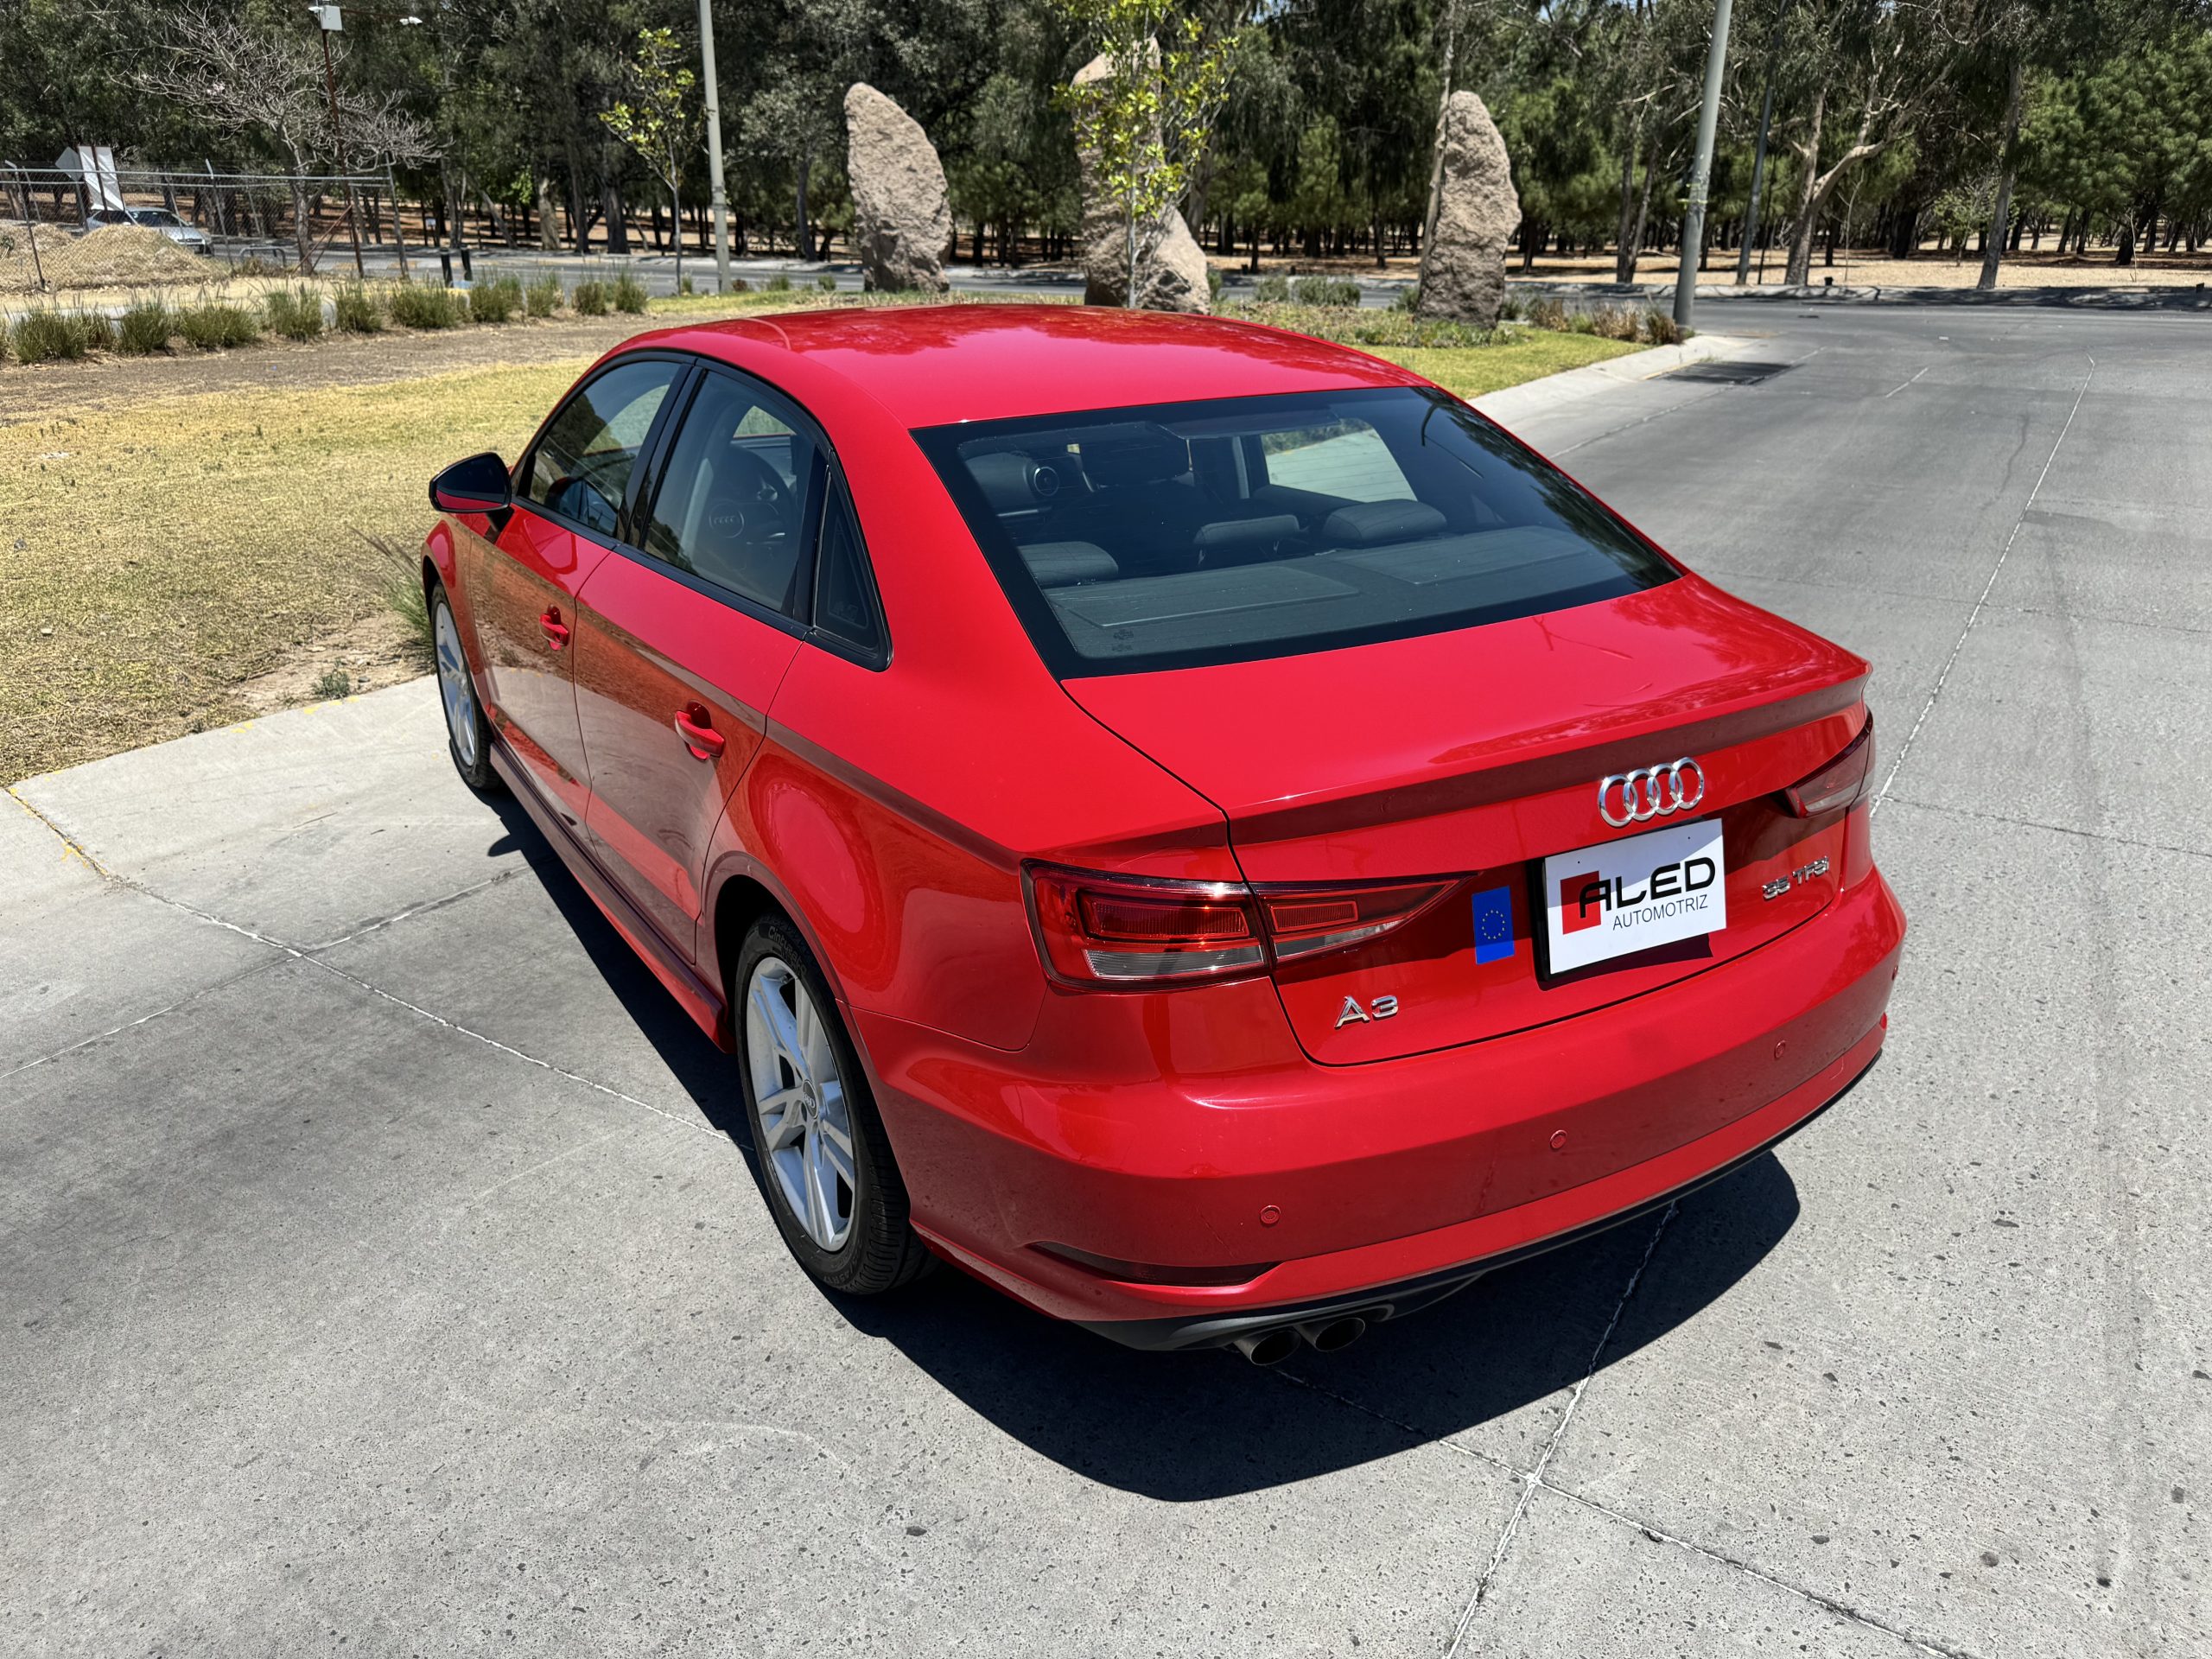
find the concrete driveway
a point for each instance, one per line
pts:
(379, 1269)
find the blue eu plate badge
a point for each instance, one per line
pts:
(1494, 940)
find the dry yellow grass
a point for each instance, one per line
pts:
(153, 556)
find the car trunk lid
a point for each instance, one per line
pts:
(1470, 756)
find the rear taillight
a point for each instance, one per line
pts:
(1116, 932)
(1842, 782)
(1302, 922)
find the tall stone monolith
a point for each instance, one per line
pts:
(901, 220)
(1463, 266)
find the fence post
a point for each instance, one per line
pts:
(31, 228)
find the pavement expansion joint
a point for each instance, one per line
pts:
(2053, 829)
(1535, 1478)
(508, 1049)
(1987, 587)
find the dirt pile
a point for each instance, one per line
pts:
(115, 255)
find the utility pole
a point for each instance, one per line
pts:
(331, 21)
(714, 153)
(1716, 59)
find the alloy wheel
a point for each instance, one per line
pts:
(799, 1100)
(454, 687)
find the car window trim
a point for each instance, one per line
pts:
(877, 657)
(521, 471)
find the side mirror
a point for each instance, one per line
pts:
(479, 484)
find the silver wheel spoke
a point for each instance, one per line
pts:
(804, 1122)
(783, 1106)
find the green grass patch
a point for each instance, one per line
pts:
(144, 328)
(589, 298)
(356, 310)
(213, 326)
(1526, 354)
(500, 300)
(49, 336)
(295, 313)
(542, 298)
(427, 306)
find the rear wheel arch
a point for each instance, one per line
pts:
(742, 896)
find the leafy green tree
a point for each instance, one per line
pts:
(658, 120)
(1150, 116)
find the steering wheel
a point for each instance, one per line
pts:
(750, 503)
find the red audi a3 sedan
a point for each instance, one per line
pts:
(1191, 823)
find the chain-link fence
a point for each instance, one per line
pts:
(98, 228)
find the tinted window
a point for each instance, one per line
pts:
(844, 596)
(1243, 528)
(581, 468)
(731, 503)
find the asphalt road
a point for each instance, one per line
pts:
(376, 1269)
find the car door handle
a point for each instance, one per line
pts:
(556, 630)
(692, 725)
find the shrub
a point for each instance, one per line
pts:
(542, 298)
(1660, 328)
(826, 283)
(1213, 285)
(1325, 290)
(739, 285)
(213, 325)
(145, 329)
(1271, 290)
(1406, 298)
(1549, 314)
(428, 305)
(335, 682)
(779, 284)
(628, 295)
(685, 287)
(295, 313)
(43, 336)
(254, 265)
(356, 310)
(1616, 323)
(1513, 308)
(589, 299)
(497, 300)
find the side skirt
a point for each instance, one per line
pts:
(702, 1002)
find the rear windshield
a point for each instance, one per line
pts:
(1182, 534)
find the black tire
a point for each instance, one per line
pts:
(475, 764)
(881, 1250)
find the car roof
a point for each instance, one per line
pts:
(931, 365)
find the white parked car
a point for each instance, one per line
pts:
(154, 218)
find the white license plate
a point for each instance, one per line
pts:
(1625, 896)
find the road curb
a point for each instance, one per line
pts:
(1535, 397)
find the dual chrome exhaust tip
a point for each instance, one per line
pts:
(1276, 1344)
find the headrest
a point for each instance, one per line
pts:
(1063, 564)
(1370, 522)
(1134, 454)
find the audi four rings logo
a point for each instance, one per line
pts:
(1650, 792)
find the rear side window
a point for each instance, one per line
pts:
(581, 465)
(731, 505)
(1184, 534)
(844, 595)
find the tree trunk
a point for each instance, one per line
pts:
(1627, 224)
(805, 235)
(618, 233)
(1993, 243)
(1801, 232)
(549, 224)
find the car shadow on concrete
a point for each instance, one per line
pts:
(1186, 1427)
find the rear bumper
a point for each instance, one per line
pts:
(1190, 1132)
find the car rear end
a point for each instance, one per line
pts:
(1554, 890)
